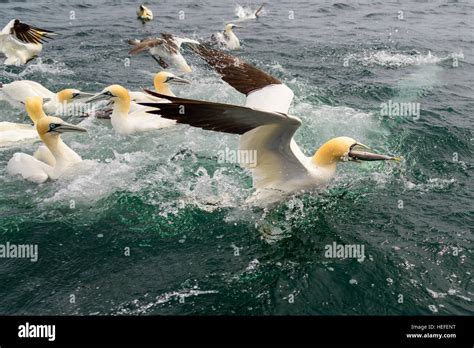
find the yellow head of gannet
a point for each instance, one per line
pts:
(163, 78)
(34, 108)
(69, 94)
(334, 151)
(116, 93)
(229, 27)
(144, 13)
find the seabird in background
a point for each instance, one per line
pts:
(126, 122)
(21, 42)
(228, 38)
(144, 13)
(49, 130)
(165, 50)
(265, 127)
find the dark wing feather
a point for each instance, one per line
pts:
(29, 34)
(244, 77)
(216, 116)
(144, 45)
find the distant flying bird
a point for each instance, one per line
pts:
(165, 50)
(21, 42)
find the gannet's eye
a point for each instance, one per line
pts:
(53, 126)
(108, 93)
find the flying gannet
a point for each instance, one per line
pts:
(228, 38)
(20, 42)
(165, 50)
(33, 168)
(144, 13)
(264, 127)
(126, 122)
(16, 92)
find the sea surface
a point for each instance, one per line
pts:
(152, 224)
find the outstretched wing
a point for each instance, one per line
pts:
(29, 34)
(144, 45)
(263, 91)
(266, 134)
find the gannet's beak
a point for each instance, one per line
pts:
(81, 95)
(357, 155)
(101, 96)
(177, 80)
(65, 127)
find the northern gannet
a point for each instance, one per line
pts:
(20, 42)
(49, 130)
(161, 82)
(16, 92)
(165, 50)
(227, 38)
(15, 132)
(124, 121)
(144, 13)
(265, 127)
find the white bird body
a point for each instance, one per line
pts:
(228, 38)
(50, 163)
(16, 92)
(16, 132)
(127, 122)
(20, 42)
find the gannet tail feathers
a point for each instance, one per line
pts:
(257, 13)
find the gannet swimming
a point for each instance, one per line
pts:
(227, 38)
(15, 132)
(126, 122)
(16, 92)
(161, 82)
(264, 127)
(164, 50)
(20, 42)
(49, 130)
(144, 13)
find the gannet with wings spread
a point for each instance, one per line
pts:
(264, 126)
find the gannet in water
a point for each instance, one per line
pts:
(125, 122)
(16, 92)
(227, 38)
(144, 13)
(20, 42)
(165, 50)
(264, 127)
(161, 82)
(15, 132)
(49, 130)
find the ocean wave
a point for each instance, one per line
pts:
(395, 59)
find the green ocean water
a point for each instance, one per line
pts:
(194, 246)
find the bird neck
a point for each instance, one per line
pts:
(122, 106)
(324, 158)
(61, 152)
(163, 88)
